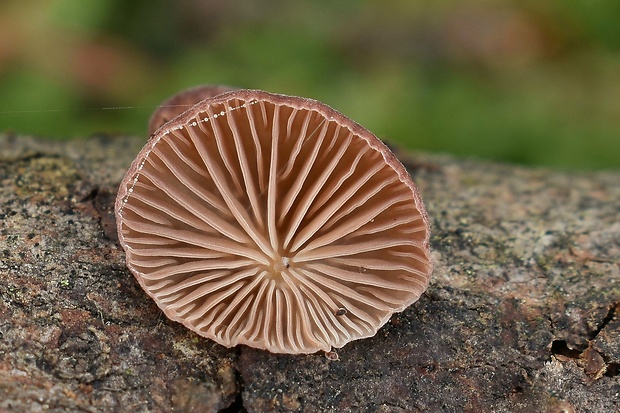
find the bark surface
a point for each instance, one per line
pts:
(522, 314)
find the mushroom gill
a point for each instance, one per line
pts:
(275, 222)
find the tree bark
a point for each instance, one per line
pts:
(522, 314)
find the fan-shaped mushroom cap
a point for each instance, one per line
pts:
(180, 102)
(275, 222)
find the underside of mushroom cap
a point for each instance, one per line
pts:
(275, 222)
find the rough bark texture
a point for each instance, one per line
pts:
(523, 311)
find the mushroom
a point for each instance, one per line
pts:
(180, 102)
(275, 222)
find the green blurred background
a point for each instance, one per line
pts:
(530, 81)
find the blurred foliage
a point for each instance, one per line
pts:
(520, 81)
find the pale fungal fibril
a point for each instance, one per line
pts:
(273, 221)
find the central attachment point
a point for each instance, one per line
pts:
(280, 264)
